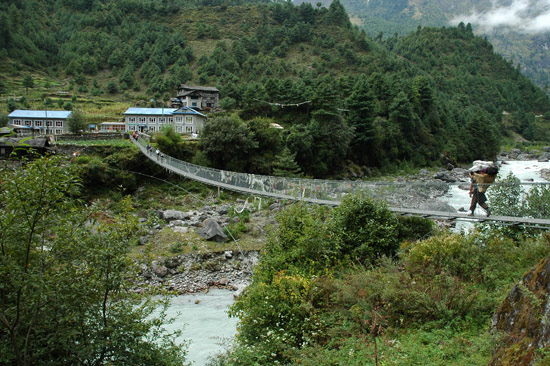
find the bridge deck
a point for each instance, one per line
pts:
(446, 215)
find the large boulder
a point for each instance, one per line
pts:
(523, 318)
(212, 231)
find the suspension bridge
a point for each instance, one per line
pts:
(329, 192)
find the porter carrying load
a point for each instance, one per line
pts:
(482, 174)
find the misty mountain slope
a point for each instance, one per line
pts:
(518, 29)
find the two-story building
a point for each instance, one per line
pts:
(197, 97)
(183, 120)
(28, 122)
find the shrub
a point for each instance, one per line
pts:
(365, 229)
(448, 252)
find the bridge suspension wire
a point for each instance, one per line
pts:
(329, 192)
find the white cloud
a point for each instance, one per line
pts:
(525, 16)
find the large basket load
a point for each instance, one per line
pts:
(484, 173)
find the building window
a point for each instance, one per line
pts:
(189, 120)
(28, 123)
(178, 129)
(58, 123)
(188, 129)
(142, 119)
(152, 120)
(194, 104)
(132, 119)
(58, 132)
(17, 122)
(161, 120)
(38, 123)
(49, 123)
(178, 119)
(171, 120)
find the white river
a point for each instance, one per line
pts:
(203, 318)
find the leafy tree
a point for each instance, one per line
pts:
(65, 296)
(28, 82)
(76, 122)
(226, 142)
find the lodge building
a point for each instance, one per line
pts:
(29, 122)
(150, 120)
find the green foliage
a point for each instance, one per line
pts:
(414, 228)
(227, 142)
(28, 82)
(66, 295)
(76, 122)
(172, 144)
(286, 166)
(364, 229)
(237, 226)
(510, 198)
(116, 168)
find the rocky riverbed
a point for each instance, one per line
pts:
(191, 273)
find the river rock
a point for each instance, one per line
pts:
(222, 210)
(545, 156)
(212, 231)
(523, 316)
(180, 229)
(444, 176)
(545, 174)
(173, 262)
(170, 215)
(158, 269)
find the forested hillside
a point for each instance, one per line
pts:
(528, 49)
(343, 98)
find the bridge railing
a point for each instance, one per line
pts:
(416, 196)
(397, 194)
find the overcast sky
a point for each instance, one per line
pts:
(525, 16)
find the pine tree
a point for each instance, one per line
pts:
(286, 166)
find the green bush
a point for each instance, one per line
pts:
(364, 229)
(448, 252)
(414, 228)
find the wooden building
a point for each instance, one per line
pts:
(196, 97)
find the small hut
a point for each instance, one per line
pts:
(23, 146)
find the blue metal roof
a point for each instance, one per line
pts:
(150, 111)
(20, 113)
(188, 110)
